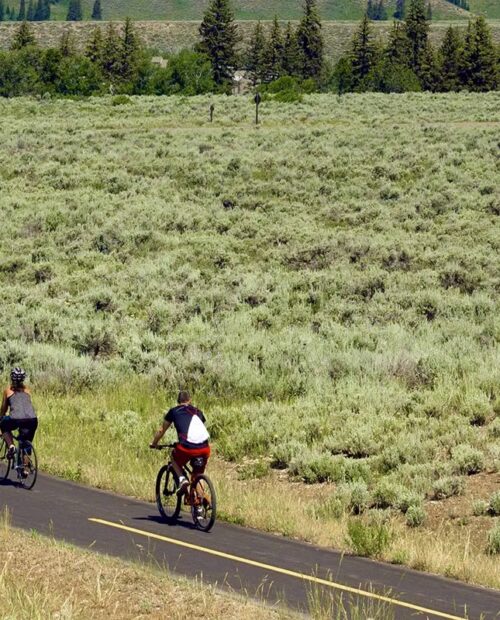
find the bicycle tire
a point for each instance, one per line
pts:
(29, 482)
(203, 503)
(5, 463)
(167, 500)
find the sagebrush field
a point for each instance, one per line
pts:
(326, 283)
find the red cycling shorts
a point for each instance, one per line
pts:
(182, 455)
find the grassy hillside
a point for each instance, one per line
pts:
(253, 9)
(325, 283)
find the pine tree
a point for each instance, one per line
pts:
(74, 11)
(95, 45)
(219, 35)
(23, 37)
(450, 55)
(363, 54)
(400, 11)
(2, 11)
(21, 16)
(112, 53)
(417, 30)
(381, 11)
(30, 15)
(480, 67)
(429, 12)
(96, 10)
(291, 52)
(370, 12)
(398, 50)
(130, 50)
(255, 55)
(273, 55)
(67, 45)
(42, 11)
(310, 42)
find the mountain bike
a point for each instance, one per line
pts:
(24, 462)
(199, 496)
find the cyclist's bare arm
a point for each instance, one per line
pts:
(5, 404)
(159, 434)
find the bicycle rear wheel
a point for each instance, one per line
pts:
(5, 463)
(167, 500)
(203, 503)
(30, 472)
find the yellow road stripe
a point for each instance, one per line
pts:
(278, 569)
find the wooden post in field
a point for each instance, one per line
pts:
(257, 100)
(212, 108)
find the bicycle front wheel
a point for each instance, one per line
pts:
(203, 503)
(5, 463)
(167, 500)
(29, 461)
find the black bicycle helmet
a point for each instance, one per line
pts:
(17, 375)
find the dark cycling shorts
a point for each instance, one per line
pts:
(26, 428)
(182, 455)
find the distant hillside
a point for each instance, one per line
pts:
(173, 36)
(182, 10)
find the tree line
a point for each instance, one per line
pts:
(286, 60)
(40, 10)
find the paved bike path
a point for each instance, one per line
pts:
(268, 567)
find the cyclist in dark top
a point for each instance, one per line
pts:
(17, 412)
(193, 437)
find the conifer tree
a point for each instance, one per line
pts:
(74, 11)
(130, 50)
(273, 56)
(400, 11)
(429, 12)
(96, 10)
(398, 50)
(417, 30)
(2, 11)
(450, 55)
(291, 52)
(363, 54)
(111, 58)
(42, 11)
(21, 16)
(255, 55)
(23, 37)
(219, 35)
(480, 67)
(30, 15)
(67, 45)
(94, 48)
(310, 42)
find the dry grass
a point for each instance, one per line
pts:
(95, 586)
(171, 36)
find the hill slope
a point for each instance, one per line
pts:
(261, 9)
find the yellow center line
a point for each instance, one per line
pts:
(278, 569)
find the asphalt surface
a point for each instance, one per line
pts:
(260, 565)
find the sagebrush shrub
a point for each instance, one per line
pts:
(369, 539)
(415, 515)
(467, 460)
(494, 504)
(493, 547)
(447, 487)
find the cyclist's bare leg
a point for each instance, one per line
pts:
(8, 438)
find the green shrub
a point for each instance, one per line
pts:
(467, 460)
(359, 496)
(387, 494)
(415, 515)
(254, 471)
(121, 100)
(315, 467)
(480, 508)
(494, 504)
(409, 499)
(447, 487)
(368, 539)
(493, 547)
